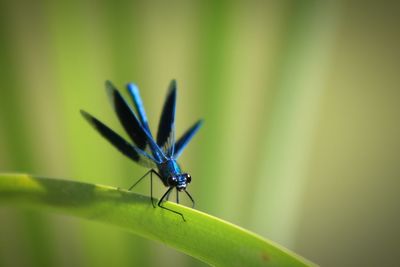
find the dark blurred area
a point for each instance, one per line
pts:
(301, 106)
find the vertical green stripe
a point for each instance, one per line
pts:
(20, 156)
(289, 130)
(80, 51)
(212, 58)
(123, 21)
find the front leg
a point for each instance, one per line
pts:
(161, 201)
(167, 196)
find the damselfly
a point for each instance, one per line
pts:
(158, 155)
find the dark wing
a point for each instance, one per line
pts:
(131, 124)
(166, 127)
(118, 142)
(186, 137)
(137, 101)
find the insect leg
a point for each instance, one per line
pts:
(140, 179)
(151, 183)
(187, 193)
(167, 196)
(161, 200)
(177, 196)
(151, 189)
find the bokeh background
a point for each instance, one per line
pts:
(301, 106)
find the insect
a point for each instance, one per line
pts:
(159, 155)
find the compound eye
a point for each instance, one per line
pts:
(172, 181)
(188, 178)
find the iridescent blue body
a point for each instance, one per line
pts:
(160, 153)
(170, 170)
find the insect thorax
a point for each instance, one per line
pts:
(169, 168)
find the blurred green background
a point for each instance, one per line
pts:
(301, 106)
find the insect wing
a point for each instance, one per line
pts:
(166, 127)
(132, 125)
(186, 137)
(118, 142)
(137, 101)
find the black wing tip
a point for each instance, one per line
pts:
(85, 114)
(112, 93)
(110, 88)
(108, 83)
(89, 118)
(198, 124)
(172, 86)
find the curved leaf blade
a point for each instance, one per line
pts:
(202, 236)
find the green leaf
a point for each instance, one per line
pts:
(202, 236)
